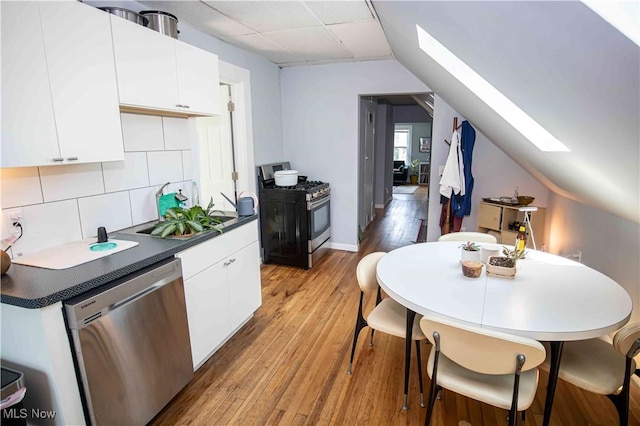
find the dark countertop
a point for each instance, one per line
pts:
(33, 288)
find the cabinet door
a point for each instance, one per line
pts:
(145, 66)
(28, 127)
(82, 75)
(207, 299)
(245, 292)
(489, 216)
(198, 79)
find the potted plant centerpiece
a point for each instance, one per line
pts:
(180, 222)
(504, 266)
(413, 171)
(470, 251)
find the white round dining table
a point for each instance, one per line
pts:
(550, 299)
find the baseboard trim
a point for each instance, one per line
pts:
(344, 247)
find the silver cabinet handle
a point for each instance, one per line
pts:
(58, 159)
(231, 260)
(182, 106)
(72, 158)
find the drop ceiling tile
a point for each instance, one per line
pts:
(362, 39)
(263, 46)
(267, 16)
(310, 43)
(201, 16)
(338, 12)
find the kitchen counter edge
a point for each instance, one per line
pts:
(33, 288)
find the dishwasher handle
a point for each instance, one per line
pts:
(136, 296)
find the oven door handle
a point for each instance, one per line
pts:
(317, 203)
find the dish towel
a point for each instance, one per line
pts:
(166, 202)
(452, 179)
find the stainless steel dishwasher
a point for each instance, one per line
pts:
(132, 345)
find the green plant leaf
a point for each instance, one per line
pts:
(168, 230)
(181, 227)
(171, 213)
(159, 228)
(194, 225)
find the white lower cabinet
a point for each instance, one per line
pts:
(222, 288)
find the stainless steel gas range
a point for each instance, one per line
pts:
(295, 221)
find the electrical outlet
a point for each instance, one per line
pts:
(14, 215)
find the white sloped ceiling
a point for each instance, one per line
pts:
(559, 62)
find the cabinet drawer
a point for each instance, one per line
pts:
(489, 216)
(200, 257)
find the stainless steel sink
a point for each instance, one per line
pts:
(147, 228)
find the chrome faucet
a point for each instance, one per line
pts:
(158, 195)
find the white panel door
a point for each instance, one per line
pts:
(82, 74)
(28, 127)
(198, 79)
(244, 284)
(207, 300)
(145, 66)
(215, 147)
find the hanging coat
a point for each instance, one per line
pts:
(452, 180)
(461, 205)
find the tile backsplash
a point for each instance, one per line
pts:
(69, 202)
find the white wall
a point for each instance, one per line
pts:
(320, 128)
(608, 243)
(495, 174)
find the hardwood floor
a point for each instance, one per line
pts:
(288, 364)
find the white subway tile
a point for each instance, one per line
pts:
(187, 165)
(142, 132)
(48, 225)
(113, 211)
(165, 166)
(176, 133)
(71, 181)
(143, 204)
(128, 174)
(20, 187)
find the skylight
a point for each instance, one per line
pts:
(522, 122)
(623, 15)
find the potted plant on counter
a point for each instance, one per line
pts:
(504, 266)
(413, 171)
(181, 222)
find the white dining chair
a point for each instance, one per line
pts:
(388, 316)
(489, 366)
(605, 368)
(475, 237)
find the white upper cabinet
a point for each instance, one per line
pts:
(59, 97)
(146, 66)
(158, 72)
(28, 127)
(198, 79)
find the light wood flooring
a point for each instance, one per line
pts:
(288, 364)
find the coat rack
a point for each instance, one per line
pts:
(455, 127)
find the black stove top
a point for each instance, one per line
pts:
(312, 188)
(309, 185)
